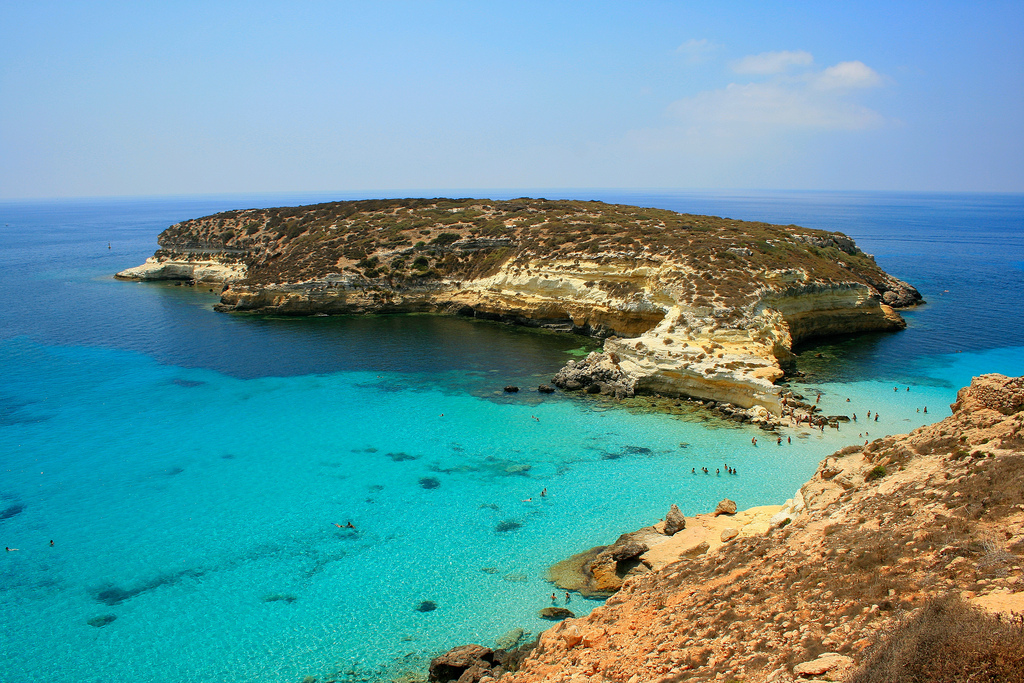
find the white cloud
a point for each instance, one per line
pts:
(697, 51)
(847, 75)
(756, 121)
(822, 99)
(760, 106)
(769, 63)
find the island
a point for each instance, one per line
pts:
(694, 306)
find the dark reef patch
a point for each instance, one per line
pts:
(102, 620)
(401, 456)
(188, 383)
(112, 595)
(11, 511)
(429, 482)
(507, 525)
(280, 597)
(426, 606)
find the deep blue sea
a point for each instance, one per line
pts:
(191, 468)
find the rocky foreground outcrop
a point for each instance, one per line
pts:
(877, 570)
(693, 306)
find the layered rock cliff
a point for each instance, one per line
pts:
(690, 305)
(881, 568)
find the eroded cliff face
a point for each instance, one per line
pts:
(871, 541)
(690, 305)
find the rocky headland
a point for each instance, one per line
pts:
(900, 560)
(694, 306)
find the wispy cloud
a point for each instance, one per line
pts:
(823, 99)
(753, 107)
(696, 51)
(768, 63)
(764, 117)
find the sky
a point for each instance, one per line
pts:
(135, 98)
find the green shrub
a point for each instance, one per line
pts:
(877, 472)
(445, 238)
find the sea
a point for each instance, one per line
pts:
(193, 496)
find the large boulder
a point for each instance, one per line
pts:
(600, 571)
(725, 507)
(466, 663)
(674, 521)
(996, 392)
(598, 373)
(831, 663)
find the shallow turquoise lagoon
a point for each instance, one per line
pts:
(196, 471)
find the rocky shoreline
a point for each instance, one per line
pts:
(691, 306)
(900, 556)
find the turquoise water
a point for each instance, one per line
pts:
(191, 467)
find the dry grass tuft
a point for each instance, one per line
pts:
(947, 642)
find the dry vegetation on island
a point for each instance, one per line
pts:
(406, 242)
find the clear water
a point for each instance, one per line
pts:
(191, 467)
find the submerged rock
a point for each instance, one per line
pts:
(429, 483)
(510, 639)
(426, 606)
(102, 620)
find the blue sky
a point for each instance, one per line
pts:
(134, 98)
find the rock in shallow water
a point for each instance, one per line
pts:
(556, 613)
(102, 620)
(469, 662)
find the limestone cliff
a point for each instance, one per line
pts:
(857, 576)
(691, 305)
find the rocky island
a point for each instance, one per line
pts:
(695, 306)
